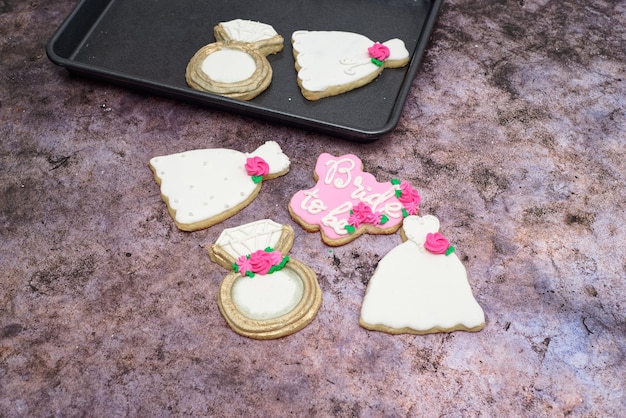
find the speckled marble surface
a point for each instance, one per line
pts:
(514, 133)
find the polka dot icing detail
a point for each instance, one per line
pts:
(192, 186)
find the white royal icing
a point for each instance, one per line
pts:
(228, 65)
(263, 296)
(204, 183)
(413, 288)
(333, 58)
(248, 30)
(248, 238)
(268, 296)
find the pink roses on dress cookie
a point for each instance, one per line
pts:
(438, 244)
(378, 52)
(257, 167)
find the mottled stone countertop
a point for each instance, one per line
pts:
(514, 133)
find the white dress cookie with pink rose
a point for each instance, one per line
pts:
(334, 62)
(421, 286)
(203, 187)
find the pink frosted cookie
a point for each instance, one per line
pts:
(421, 287)
(347, 202)
(206, 186)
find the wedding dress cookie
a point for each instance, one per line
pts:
(236, 65)
(269, 294)
(421, 287)
(347, 202)
(206, 186)
(332, 62)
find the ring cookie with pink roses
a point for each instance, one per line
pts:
(347, 202)
(334, 62)
(203, 187)
(267, 294)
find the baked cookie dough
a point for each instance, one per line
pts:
(268, 294)
(206, 186)
(421, 287)
(235, 65)
(333, 62)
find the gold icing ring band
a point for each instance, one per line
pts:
(246, 89)
(296, 319)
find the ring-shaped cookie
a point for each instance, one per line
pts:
(294, 320)
(257, 235)
(244, 89)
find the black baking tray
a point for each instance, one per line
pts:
(146, 45)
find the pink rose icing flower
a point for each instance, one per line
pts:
(243, 265)
(438, 244)
(260, 262)
(257, 167)
(412, 208)
(378, 52)
(409, 197)
(409, 194)
(363, 214)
